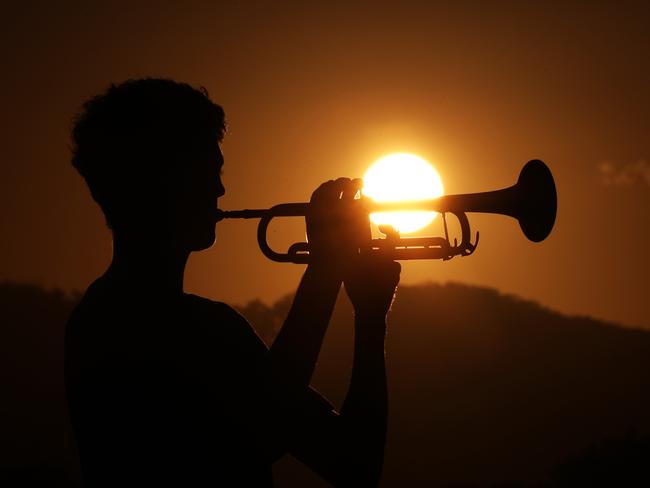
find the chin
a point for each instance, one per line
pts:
(203, 241)
(207, 243)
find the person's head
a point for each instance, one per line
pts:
(149, 152)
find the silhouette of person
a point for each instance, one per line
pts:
(170, 389)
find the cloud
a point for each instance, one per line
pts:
(630, 174)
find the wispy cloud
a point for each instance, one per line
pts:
(630, 174)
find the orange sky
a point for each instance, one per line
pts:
(313, 93)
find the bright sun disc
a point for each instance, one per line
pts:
(402, 177)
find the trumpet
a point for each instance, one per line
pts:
(532, 201)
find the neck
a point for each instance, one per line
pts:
(153, 268)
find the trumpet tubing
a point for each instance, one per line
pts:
(532, 201)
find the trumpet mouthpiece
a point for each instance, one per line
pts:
(219, 215)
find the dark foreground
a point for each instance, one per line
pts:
(485, 390)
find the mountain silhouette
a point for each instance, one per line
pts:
(486, 389)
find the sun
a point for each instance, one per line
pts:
(402, 177)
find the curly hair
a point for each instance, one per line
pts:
(126, 139)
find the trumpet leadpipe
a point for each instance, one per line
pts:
(302, 209)
(257, 213)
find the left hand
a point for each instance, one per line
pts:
(337, 226)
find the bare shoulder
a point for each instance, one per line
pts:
(224, 319)
(213, 309)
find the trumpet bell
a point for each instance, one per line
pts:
(537, 202)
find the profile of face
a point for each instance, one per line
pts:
(197, 189)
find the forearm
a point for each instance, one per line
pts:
(364, 415)
(293, 355)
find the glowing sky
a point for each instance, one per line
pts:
(315, 92)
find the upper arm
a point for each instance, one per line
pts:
(307, 426)
(315, 435)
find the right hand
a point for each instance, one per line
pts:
(370, 282)
(336, 226)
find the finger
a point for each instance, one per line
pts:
(326, 191)
(352, 187)
(348, 189)
(342, 181)
(393, 271)
(358, 184)
(344, 186)
(397, 269)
